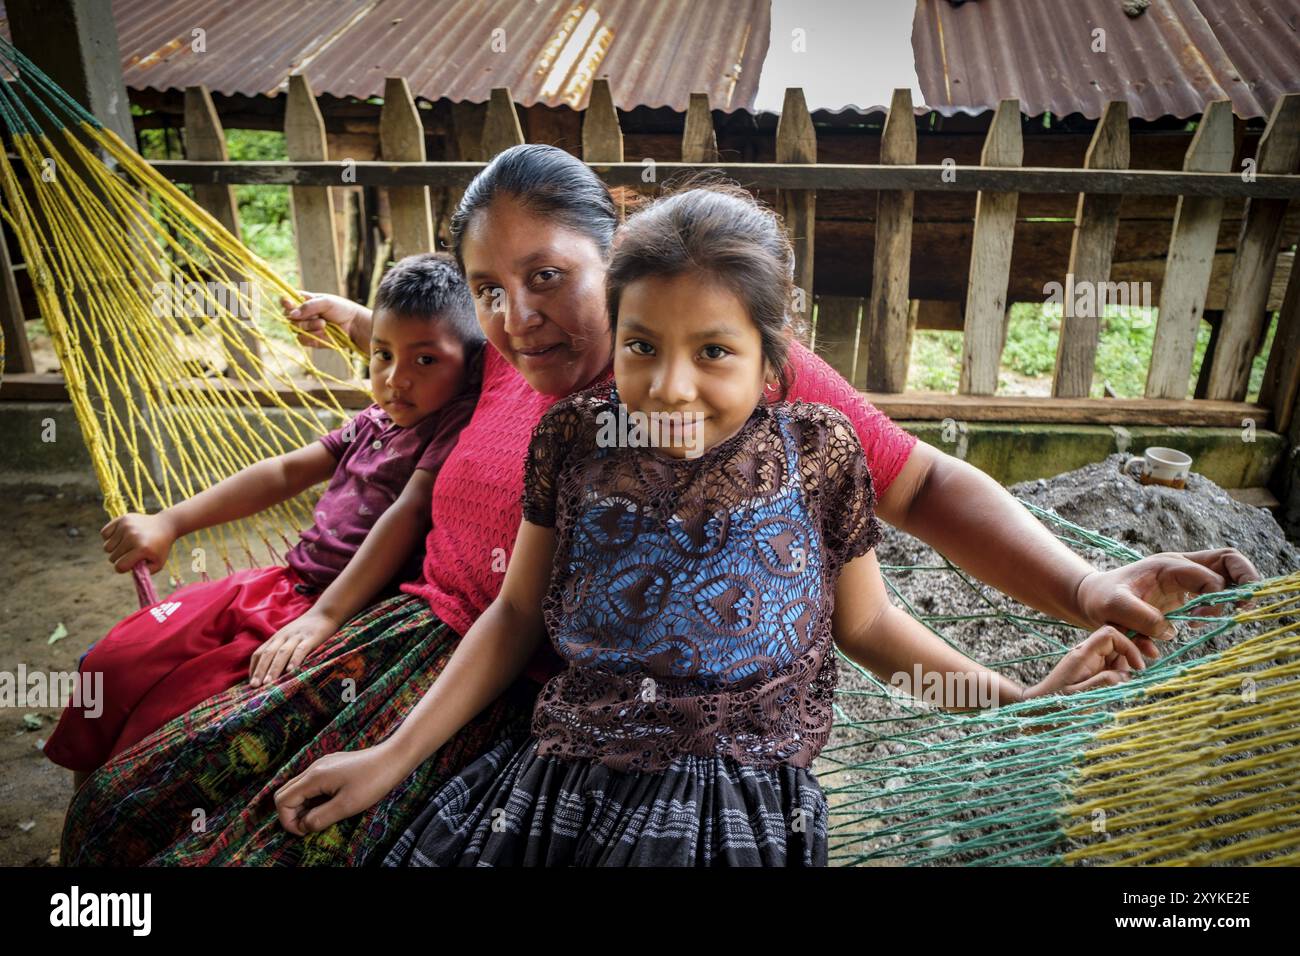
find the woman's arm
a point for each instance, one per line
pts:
(976, 523)
(484, 664)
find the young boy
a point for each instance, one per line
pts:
(206, 637)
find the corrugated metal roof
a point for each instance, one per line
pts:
(1169, 61)
(654, 54)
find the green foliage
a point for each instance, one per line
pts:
(1034, 331)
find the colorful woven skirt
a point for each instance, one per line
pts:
(514, 808)
(200, 790)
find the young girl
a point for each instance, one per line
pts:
(693, 596)
(205, 637)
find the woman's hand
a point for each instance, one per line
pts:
(133, 538)
(336, 787)
(322, 309)
(1106, 657)
(285, 649)
(1136, 596)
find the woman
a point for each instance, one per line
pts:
(533, 234)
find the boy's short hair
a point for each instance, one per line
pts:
(430, 285)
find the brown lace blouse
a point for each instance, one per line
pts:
(692, 597)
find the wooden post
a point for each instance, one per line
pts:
(1246, 318)
(1281, 387)
(313, 210)
(699, 141)
(883, 366)
(837, 332)
(990, 261)
(401, 139)
(1095, 223)
(602, 140)
(205, 140)
(1191, 259)
(501, 128)
(796, 142)
(17, 356)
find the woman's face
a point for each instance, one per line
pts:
(539, 290)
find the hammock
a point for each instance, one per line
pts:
(130, 275)
(1195, 760)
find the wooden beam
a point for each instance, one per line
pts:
(990, 263)
(401, 139)
(1245, 318)
(821, 177)
(1191, 259)
(1280, 389)
(1091, 249)
(313, 210)
(926, 406)
(796, 142)
(883, 352)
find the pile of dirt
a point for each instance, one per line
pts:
(1019, 642)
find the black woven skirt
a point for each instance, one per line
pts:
(514, 808)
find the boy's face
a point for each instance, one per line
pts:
(416, 365)
(687, 353)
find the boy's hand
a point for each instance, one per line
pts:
(334, 788)
(1105, 657)
(133, 538)
(285, 649)
(320, 310)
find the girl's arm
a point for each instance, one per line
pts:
(484, 664)
(134, 537)
(891, 643)
(904, 653)
(381, 555)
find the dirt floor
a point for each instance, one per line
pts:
(54, 577)
(53, 572)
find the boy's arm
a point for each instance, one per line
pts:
(133, 538)
(888, 642)
(488, 659)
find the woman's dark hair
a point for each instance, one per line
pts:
(714, 228)
(430, 285)
(548, 181)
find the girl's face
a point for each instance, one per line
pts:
(539, 290)
(687, 345)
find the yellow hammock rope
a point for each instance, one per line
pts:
(127, 270)
(1204, 767)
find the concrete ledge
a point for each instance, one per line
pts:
(1010, 452)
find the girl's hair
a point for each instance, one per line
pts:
(548, 181)
(714, 228)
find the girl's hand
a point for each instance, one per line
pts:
(1136, 596)
(133, 538)
(334, 788)
(1105, 657)
(322, 309)
(285, 649)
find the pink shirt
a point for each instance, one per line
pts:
(477, 497)
(375, 460)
